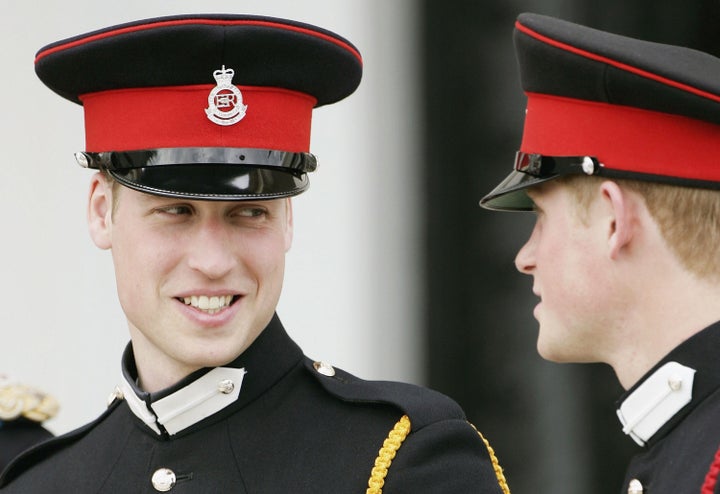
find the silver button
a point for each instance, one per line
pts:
(324, 369)
(117, 394)
(163, 479)
(588, 166)
(635, 487)
(82, 160)
(226, 386)
(675, 383)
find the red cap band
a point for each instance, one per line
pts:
(622, 137)
(167, 117)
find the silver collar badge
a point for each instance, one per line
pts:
(225, 102)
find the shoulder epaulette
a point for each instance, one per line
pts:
(20, 401)
(423, 405)
(420, 406)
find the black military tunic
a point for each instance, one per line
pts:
(18, 435)
(678, 457)
(23, 409)
(292, 426)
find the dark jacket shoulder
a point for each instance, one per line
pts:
(18, 435)
(43, 450)
(422, 405)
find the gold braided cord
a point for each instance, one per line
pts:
(386, 455)
(17, 400)
(495, 463)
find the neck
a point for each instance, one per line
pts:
(667, 314)
(155, 369)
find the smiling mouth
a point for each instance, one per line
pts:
(209, 304)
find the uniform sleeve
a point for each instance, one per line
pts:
(447, 456)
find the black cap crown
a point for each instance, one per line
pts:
(202, 106)
(609, 105)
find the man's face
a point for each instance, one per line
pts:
(566, 259)
(197, 280)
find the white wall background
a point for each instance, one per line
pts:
(353, 280)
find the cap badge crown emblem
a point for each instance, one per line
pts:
(225, 102)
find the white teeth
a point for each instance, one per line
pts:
(211, 305)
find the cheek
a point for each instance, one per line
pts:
(129, 280)
(140, 263)
(262, 252)
(270, 262)
(573, 283)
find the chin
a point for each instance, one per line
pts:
(560, 354)
(552, 352)
(548, 355)
(212, 357)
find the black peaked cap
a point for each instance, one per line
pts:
(207, 106)
(610, 105)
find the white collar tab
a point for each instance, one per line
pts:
(656, 401)
(189, 405)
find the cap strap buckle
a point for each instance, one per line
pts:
(541, 166)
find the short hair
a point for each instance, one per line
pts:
(688, 218)
(115, 187)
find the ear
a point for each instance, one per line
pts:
(99, 211)
(621, 207)
(288, 225)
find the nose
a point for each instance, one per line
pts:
(211, 251)
(525, 258)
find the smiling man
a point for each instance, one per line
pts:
(619, 162)
(197, 280)
(200, 129)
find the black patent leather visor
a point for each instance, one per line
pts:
(222, 174)
(534, 169)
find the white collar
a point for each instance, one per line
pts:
(189, 405)
(654, 402)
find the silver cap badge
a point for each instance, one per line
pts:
(225, 102)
